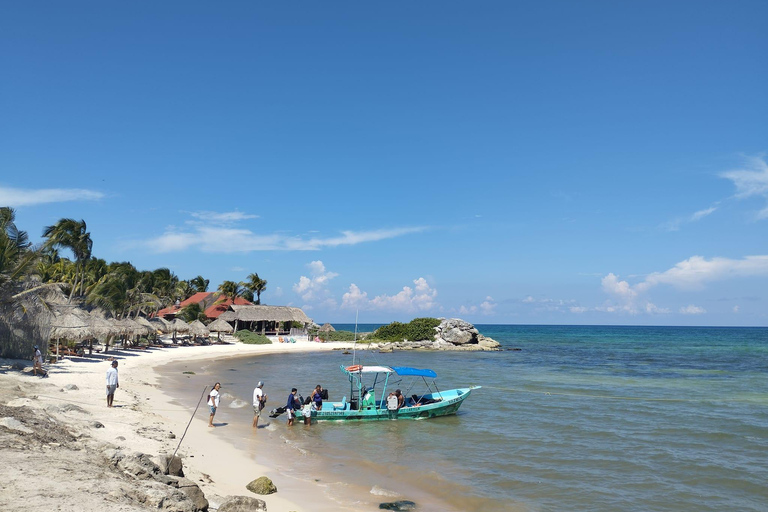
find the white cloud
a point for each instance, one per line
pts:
(578, 309)
(613, 286)
(487, 308)
(222, 217)
(690, 274)
(28, 197)
(421, 297)
(703, 213)
(529, 300)
(692, 310)
(674, 225)
(696, 270)
(735, 309)
(314, 289)
(214, 232)
(751, 181)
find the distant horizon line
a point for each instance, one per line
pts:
(576, 325)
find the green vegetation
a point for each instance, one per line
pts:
(417, 329)
(251, 338)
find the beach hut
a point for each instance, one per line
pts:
(325, 330)
(219, 326)
(263, 315)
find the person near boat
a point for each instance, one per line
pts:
(400, 399)
(317, 397)
(290, 406)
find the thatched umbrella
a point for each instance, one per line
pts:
(327, 328)
(148, 327)
(219, 326)
(71, 324)
(198, 328)
(179, 325)
(161, 324)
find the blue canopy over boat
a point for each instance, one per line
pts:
(406, 370)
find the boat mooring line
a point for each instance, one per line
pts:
(615, 397)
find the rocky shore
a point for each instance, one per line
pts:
(63, 449)
(451, 334)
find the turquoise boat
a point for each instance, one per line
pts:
(369, 393)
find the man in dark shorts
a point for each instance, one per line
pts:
(112, 383)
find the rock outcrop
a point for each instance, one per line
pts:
(451, 334)
(262, 485)
(242, 504)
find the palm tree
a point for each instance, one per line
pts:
(199, 284)
(73, 235)
(231, 289)
(192, 312)
(23, 304)
(255, 285)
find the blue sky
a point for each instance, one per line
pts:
(501, 162)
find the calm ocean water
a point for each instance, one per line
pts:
(579, 418)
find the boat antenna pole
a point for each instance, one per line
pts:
(354, 343)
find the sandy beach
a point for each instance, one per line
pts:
(58, 435)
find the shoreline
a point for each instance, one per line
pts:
(142, 420)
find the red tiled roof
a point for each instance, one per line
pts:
(215, 310)
(196, 298)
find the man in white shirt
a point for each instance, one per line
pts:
(112, 383)
(37, 362)
(259, 401)
(213, 402)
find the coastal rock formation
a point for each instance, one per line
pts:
(242, 504)
(262, 485)
(451, 334)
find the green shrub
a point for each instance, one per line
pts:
(391, 332)
(251, 338)
(422, 329)
(417, 329)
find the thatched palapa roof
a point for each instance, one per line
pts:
(257, 313)
(327, 328)
(179, 325)
(198, 328)
(220, 325)
(72, 324)
(161, 324)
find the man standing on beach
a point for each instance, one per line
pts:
(290, 407)
(259, 401)
(112, 383)
(213, 402)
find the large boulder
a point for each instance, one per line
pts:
(456, 332)
(193, 493)
(242, 504)
(171, 465)
(262, 485)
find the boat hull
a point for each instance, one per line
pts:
(449, 403)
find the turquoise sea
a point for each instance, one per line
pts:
(587, 418)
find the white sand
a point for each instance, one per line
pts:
(144, 416)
